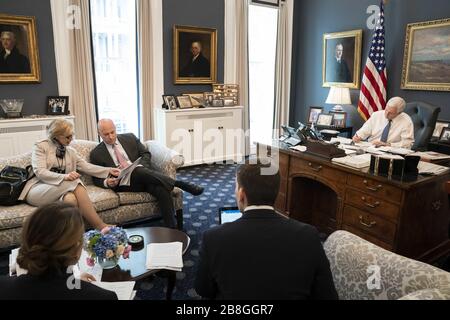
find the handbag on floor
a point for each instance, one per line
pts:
(12, 182)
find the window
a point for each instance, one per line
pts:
(115, 62)
(262, 35)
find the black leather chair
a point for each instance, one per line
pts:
(424, 117)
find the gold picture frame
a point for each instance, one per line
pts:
(426, 66)
(341, 62)
(21, 65)
(189, 41)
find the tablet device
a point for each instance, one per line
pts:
(229, 214)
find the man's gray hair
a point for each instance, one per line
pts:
(8, 33)
(397, 102)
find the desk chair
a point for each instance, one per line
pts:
(423, 116)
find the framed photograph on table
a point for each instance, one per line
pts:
(194, 55)
(445, 136)
(440, 125)
(197, 99)
(170, 102)
(58, 105)
(426, 62)
(19, 56)
(342, 59)
(339, 119)
(314, 114)
(325, 119)
(184, 102)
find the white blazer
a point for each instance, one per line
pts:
(43, 159)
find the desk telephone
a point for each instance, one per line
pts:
(294, 137)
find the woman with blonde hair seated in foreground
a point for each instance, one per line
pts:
(55, 165)
(52, 240)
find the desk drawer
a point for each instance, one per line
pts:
(372, 204)
(316, 169)
(370, 223)
(368, 237)
(376, 188)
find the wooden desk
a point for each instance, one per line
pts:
(410, 218)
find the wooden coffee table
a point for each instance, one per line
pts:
(134, 268)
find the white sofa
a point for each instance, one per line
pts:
(113, 208)
(352, 262)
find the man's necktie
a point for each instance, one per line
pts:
(122, 162)
(385, 134)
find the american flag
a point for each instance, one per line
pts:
(374, 82)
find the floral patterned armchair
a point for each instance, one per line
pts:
(355, 264)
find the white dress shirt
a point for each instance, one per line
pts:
(401, 133)
(258, 208)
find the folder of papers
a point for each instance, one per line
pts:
(165, 256)
(359, 161)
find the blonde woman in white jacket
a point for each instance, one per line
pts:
(55, 165)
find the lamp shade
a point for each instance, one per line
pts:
(339, 95)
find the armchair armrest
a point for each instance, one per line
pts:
(164, 159)
(354, 263)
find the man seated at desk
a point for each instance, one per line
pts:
(389, 127)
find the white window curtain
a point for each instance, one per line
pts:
(150, 61)
(236, 54)
(72, 37)
(283, 64)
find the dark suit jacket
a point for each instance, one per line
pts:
(14, 63)
(28, 287)
(198, 68)
(338, 72)
(134, 149)
(264, 256)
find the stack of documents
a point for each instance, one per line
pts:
(431, 156)
(359, 161)
(430, 168)
(165, 256)
(123, 289)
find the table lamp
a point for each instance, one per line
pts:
(338, 96)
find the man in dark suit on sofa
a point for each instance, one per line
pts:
(122, 150)
(262, 255)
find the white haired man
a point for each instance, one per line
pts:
(11, 60)
(389, 127)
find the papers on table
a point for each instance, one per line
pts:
(341, 140)
(14, 268)
(165, 256)
(359, 161)
(125, 174)
(431, 156)
(123, 289)
(431, 168)
(298, 148)
(400, 151)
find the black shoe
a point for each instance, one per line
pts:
(193, 189)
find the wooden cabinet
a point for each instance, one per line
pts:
(409, 217)
(202, 135)
(17, 136)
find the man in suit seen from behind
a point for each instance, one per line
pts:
(121, 151)
(262, 255)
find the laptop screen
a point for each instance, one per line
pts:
(229, 214)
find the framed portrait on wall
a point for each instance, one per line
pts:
(19, 56)
(425, 66)
(342, 59)
(194, 55)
